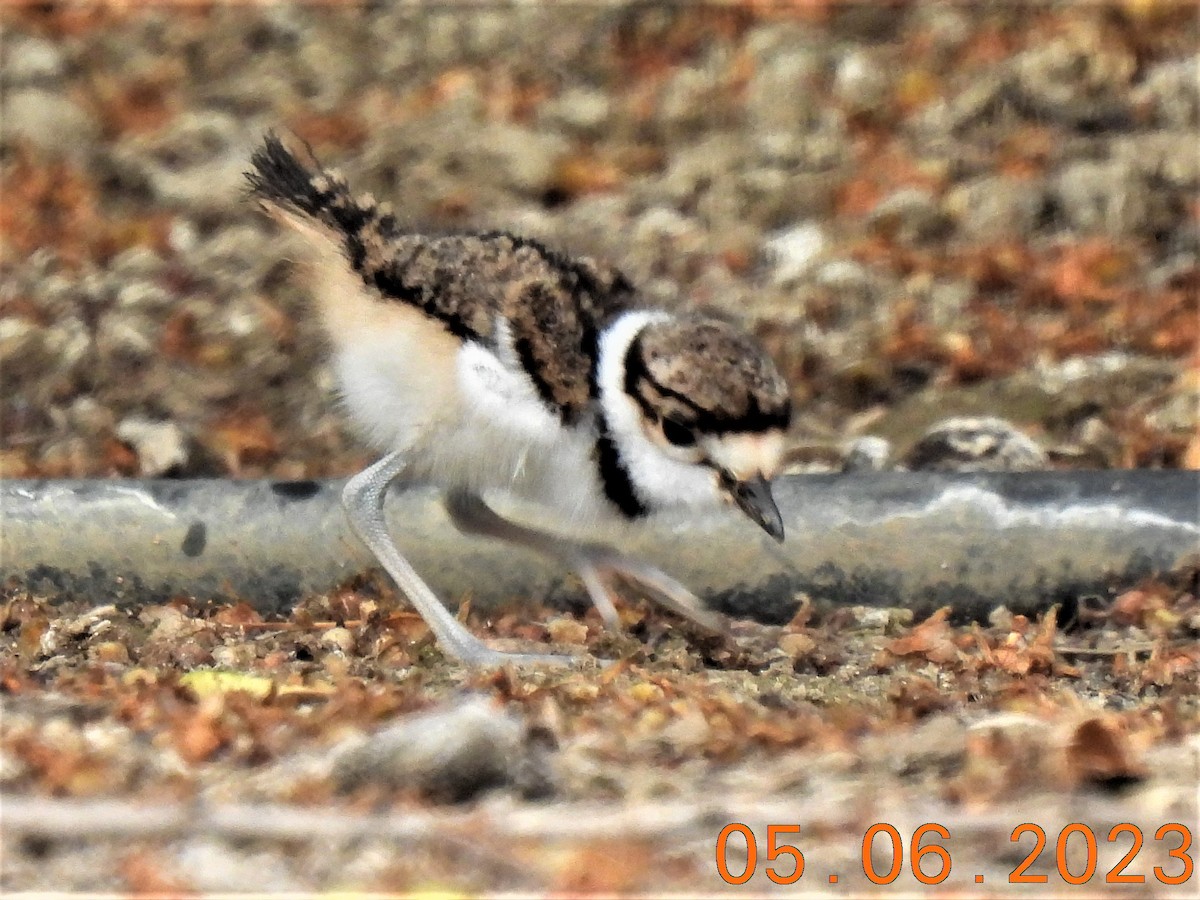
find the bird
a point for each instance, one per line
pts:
(491, 365)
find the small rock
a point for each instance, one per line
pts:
(690, 731)
(976, 104)
(21, 342)
(580, 109)
(1107, 198)
(30, 60)
(1162, 158)
(191, 656)
(136, 263)
(1099, 441)
(520, 158)
(210, 865)
(183, 236)
(451, 752)
(1110, 379)
(781, 95)
(699, 167)
(94, 621)
(1179, 413)
(234, 250)
(969, 444)
(340, 639)
(69, 343)
(196, 163)
(1170, 93)
(687, 98)
(945, 301)
(160, 446)
(238, 657)
(876, 618)
(867, 454)
(1001, 617)
(12, 767)
(1076, 79)
(126, 337)
(935, 747)
(663, 226)
(567, 631)
(109, 652)
(996, 206)
(946, 27)
(796, 251)
(861, 82)
(846, 275)
(911, 215)
(143, 295)
(49, 121)
(797, 644)
(51, 642)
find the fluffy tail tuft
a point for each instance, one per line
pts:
(278, 178)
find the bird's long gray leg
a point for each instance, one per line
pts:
(363, 498)
(593, 562)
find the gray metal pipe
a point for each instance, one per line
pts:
(920, 540)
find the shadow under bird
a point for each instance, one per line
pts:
(489, 364)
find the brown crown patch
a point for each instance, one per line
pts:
(706, 374)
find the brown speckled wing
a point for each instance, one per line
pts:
(554, 305)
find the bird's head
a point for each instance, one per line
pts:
(697, 410)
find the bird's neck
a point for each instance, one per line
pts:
(637, 476)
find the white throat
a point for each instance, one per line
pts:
(660, 482)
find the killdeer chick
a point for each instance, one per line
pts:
(487, 363)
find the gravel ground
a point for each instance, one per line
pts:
(924, 210)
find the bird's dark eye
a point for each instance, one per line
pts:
(678, 434)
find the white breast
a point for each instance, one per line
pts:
(468, 420)
(523, 447)
(664, 483)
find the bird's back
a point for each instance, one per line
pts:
(535, 308)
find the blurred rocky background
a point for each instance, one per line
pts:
(979, 212)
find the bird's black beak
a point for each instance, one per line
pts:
(753, 497)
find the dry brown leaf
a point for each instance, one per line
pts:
(118, 458)
(240, 613)
(49, 205)
(1136, 606)
(1167, 664)
(146, 873)
(584, 172)
(179, 337)
(200, 734)
(1041, 647)
(243, 438)
(139, 104)
(603, 867)
(932, 639)
(1099, 753)
(15, 463)
(33, 627)
(1091, 272)
(338, 130)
